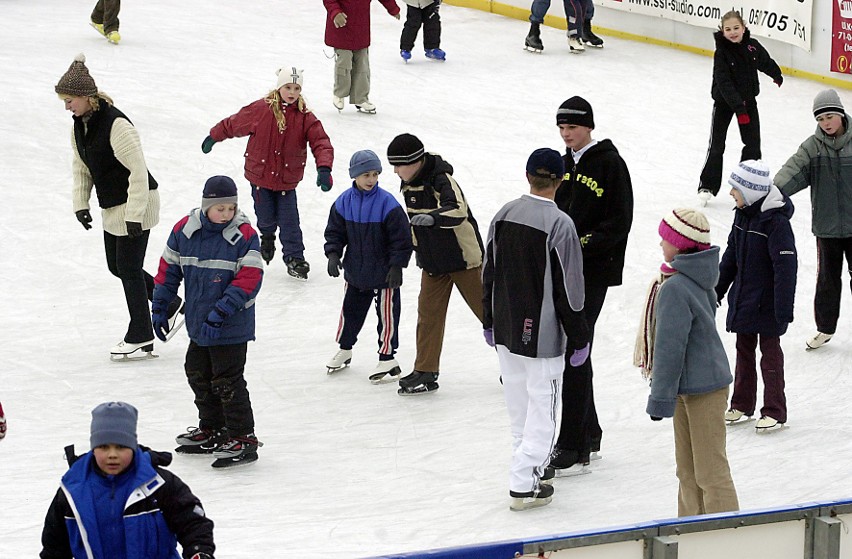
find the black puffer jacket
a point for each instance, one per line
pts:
(735, 67)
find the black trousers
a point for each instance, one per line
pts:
(579, 427)
(711, 175)
(430, 18)
(125, 257)
(215, 374)
(830, 255)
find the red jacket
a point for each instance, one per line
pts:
(276, 160)
(355, 35)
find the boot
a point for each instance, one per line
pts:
(267, 247)
(589, 37)
(533, 41)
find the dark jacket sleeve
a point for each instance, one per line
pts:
(452, 208)
(766, 64)
(335, 233)
(725, 83)
(614, 227)
(782, 251)
(54, 536)
(488, 281)
(727, 268)
(185, 516)
(398, 231)
(573, 322)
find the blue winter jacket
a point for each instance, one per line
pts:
(374, 230)
(689, 357)
(221, 266)
(759, 266)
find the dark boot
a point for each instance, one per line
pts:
(589, 37)
(533, 41)
(267, 247)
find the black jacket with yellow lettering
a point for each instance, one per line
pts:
(598, 195)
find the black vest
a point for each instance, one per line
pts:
(109, 175)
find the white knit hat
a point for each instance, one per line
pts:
(289, 74)
(751, 178)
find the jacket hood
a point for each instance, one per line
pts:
(701, 267)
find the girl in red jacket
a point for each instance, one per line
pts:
(279, 127)
(347, 30)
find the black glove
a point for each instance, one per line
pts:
(207, 144)
(655, 418)
(324, 180)
(394, 277)
(85, 218)
(423, 220)
(134, 229)
(334, 264)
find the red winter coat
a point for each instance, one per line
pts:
(276, 160)
(355, 35)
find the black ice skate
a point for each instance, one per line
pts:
(237, 451)
(126, 351)
(533, 41)
(569, 463)
(589, 37)
(418, 382)
(200, 441)
(267, 248)
(298, 268)
(531, 499)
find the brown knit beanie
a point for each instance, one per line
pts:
(77, 81)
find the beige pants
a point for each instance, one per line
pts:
(106, 12)
(432, 306)
(702, 462)
(352, 74)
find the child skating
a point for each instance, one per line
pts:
(426, 13)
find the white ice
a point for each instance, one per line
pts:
(350, 469)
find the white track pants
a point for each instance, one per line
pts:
(532, 387)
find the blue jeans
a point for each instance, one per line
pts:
(278, 210)
(577, 10)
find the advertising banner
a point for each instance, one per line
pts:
(841, 37)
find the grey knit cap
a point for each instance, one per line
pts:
(828, 101)
(114, 423)
(77, 81)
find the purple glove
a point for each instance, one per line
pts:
(579, 356)
(488, 333)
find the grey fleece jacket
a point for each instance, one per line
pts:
(688, 354)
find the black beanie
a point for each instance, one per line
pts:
(576, 110)
(405, 149)
(218, 190)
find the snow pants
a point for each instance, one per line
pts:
(830, 255)
(215, 375)
(432, 306)
(430, 18)
(531, 387)
(352, 74)
(279, 209)
(772, 370)
(125, 257)
(106, 12)
(705, 479)
(356, 305)
(711, 174)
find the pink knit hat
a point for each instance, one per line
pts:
(686, 229)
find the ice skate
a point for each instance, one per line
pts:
(99, 27)
(436, 54)
(298, 268)
(267, 247)
(704, 196)
(569, 463)
(817, 341)
(589, 37)
(237, 451)
(735, 416)
(113, 37)
(340, 361)
(576, 45)
(385, 372)
(338, 102)
(531, 499)
(125, 351)
(366, 107)
(418, 382)
(200, 441)
(533, 41)
(177, 316)
(548, 476)
(767, 424)
(406, 55)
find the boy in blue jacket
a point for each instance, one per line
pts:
(217, 251)
(759, 266)
(370, 231)
(117, 501)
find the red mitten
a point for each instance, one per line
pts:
(743, 119)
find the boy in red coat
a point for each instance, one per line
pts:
(347, 30)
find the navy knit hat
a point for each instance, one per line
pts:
(548, 159)
(218, 190)
(364, 161)
(576, 110)
(114, 423)
(405, 149)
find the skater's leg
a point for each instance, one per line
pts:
(829, 284)
(413, 20)
(689, 498)
(432, 26)
(199, 374)
(229, 384)
(431, 319)
(356, 305)
(772, 369)
(360, 91)
(265, 209)
(750, 134)
(575, 14)
(538, 10)
(110, 15)
(342, 72)
(745, 375)
(388, 311)
(711, 174)
(125, 257)
(292, 245)
(98, 12)
(469, 284)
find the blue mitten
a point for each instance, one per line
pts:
(488, 333)
(160, 318)
(579, 356)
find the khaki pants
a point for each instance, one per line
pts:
(432, 306)
(106, 12)
(352, 74)
(702, 462)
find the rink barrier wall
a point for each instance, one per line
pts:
(794, 61)
(817, 530)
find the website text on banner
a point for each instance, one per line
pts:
(841, 37)
(788, 21)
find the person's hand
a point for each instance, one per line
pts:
(340, 20)
(488, 334)
(423, 220)
(743, 119)
(579, 356)
(134, 229)
(160, 318)
(85, 218)
(334, 264)
(655, 418)
(324, 180)
(394, 277)
(396, 16)
(212, 327)
(207, 144)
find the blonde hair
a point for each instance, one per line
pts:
(94, 102)
(733, 14)
(273, 99)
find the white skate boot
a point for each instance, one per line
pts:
(386, 371)
(340, 361)
(125, 351)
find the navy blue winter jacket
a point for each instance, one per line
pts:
(759, 266)
(374, 230)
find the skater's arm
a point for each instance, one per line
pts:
(248, 276)
(83, 182)
(674, 322)
(319, 141)
(795, 175)
(727, 268)
(185, 516)
(398, 230)
(54, 536)
(127, 147)
(335, 232)
(241, 123)
(782, 251)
